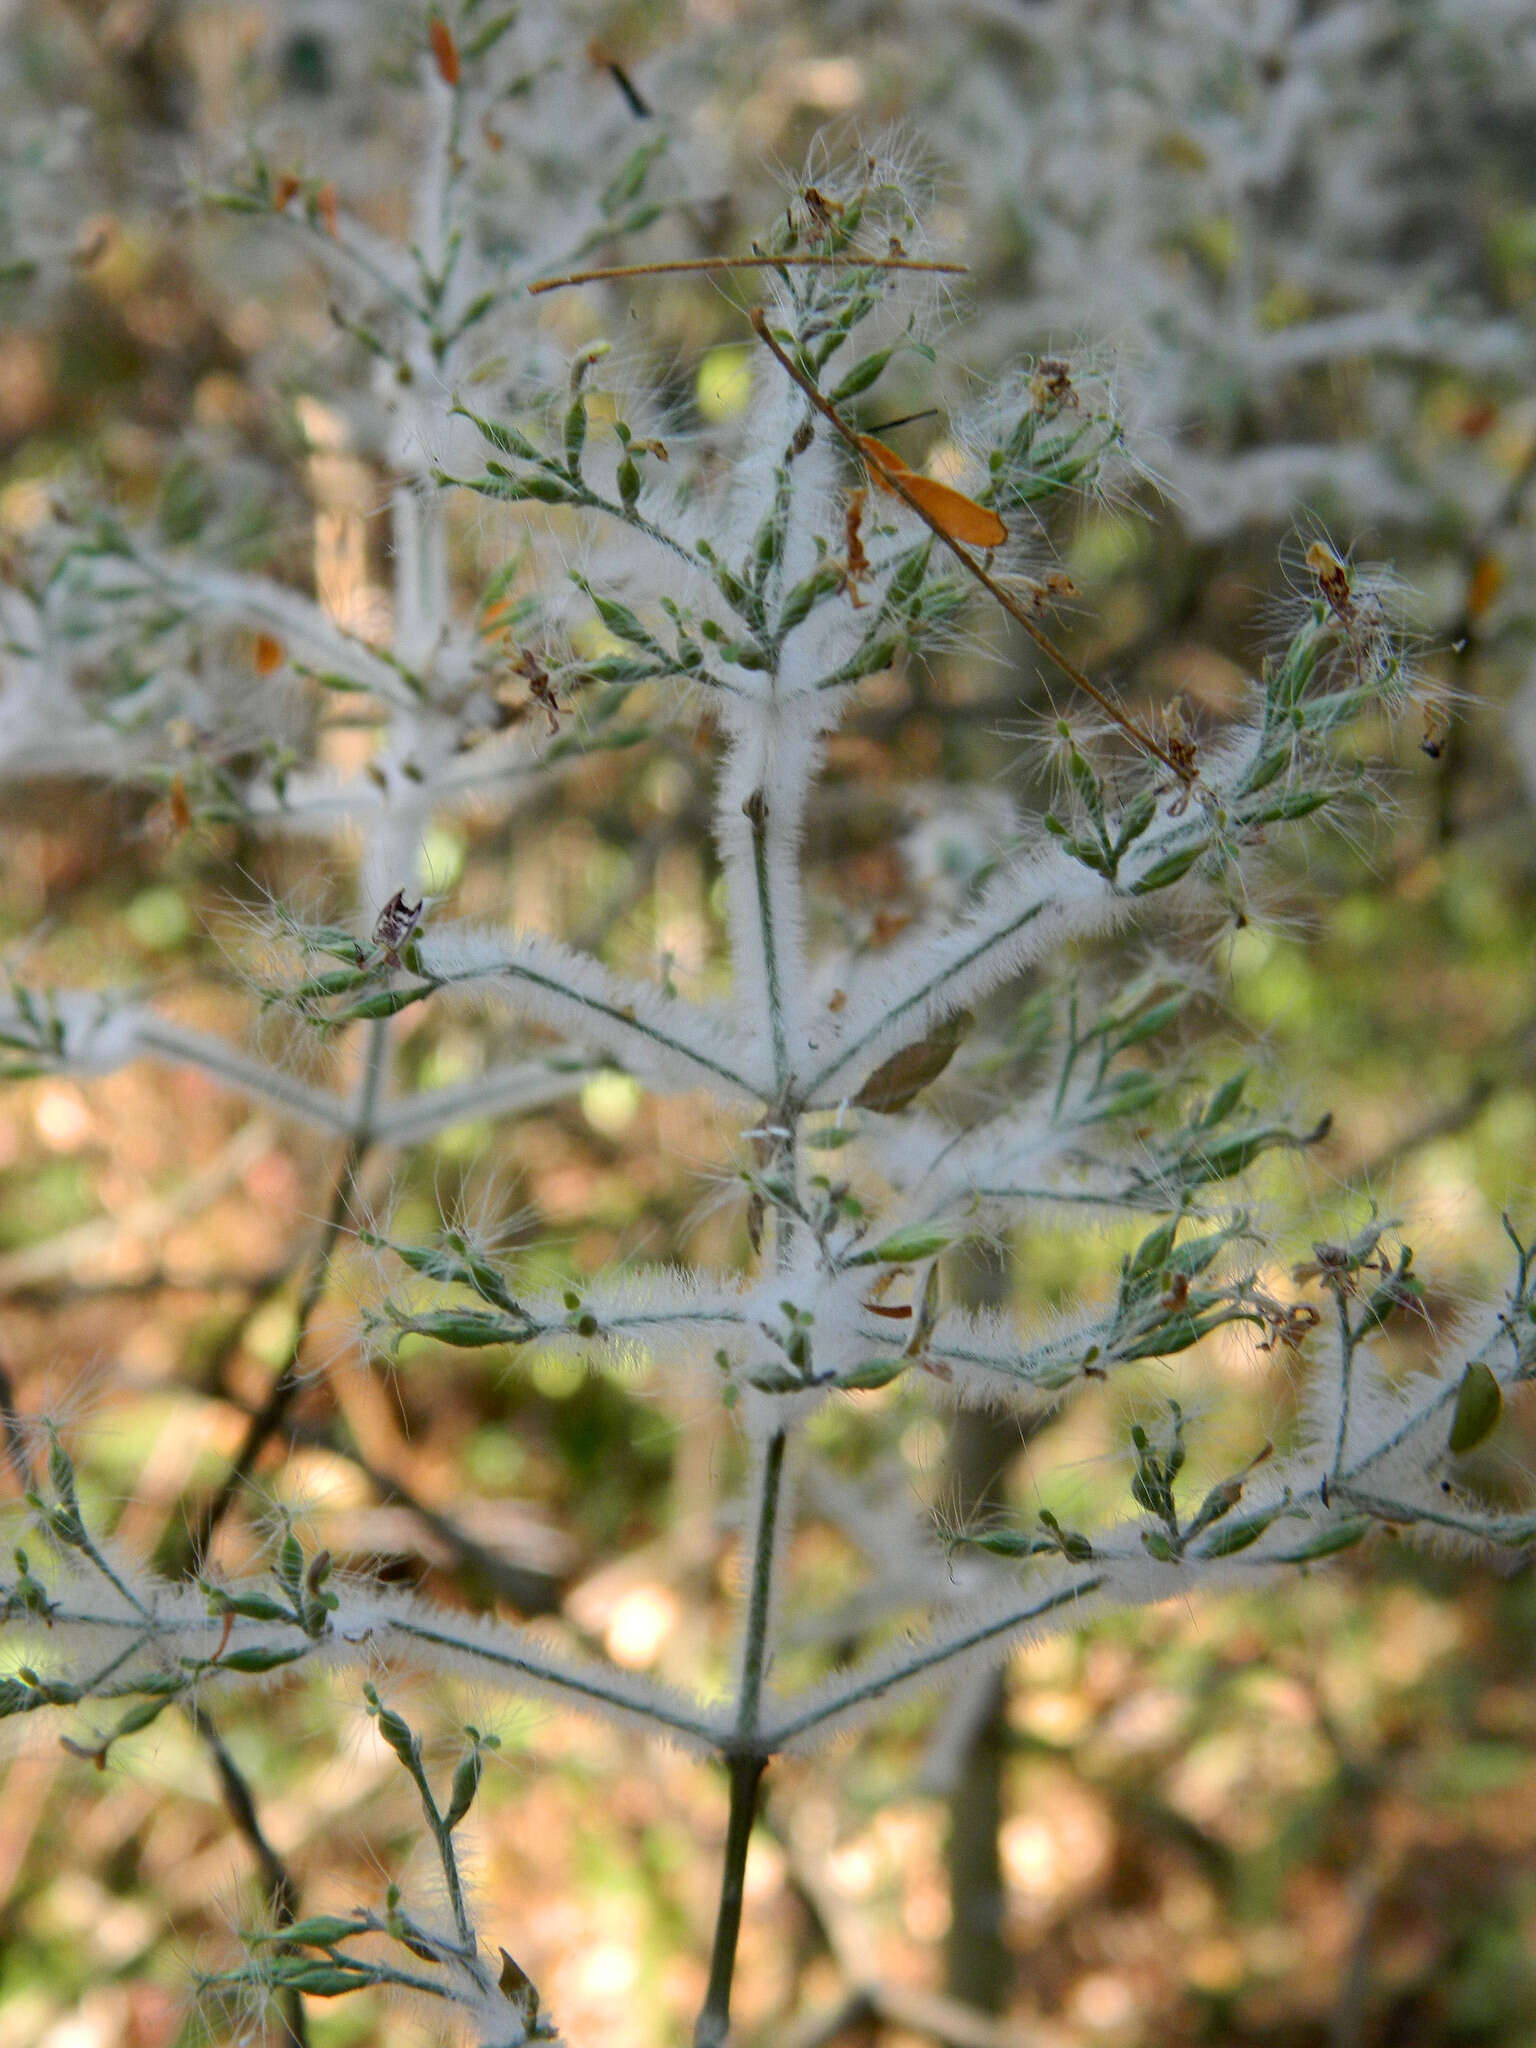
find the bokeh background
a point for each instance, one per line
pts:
(1301, 240)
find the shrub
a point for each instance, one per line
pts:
(716, 603)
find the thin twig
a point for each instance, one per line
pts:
(183, 1547)
(14, 1431)
(240, 1804)
(1465, 637)
(530, 1588)
(679, 264)
(1010, 604)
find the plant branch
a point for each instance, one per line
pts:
(892, 479)
(275, 1876)
(683, 264)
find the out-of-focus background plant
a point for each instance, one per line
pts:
(1302, 242)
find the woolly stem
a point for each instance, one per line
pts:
(925, 1661)
(758, 818)
(1346, 1382)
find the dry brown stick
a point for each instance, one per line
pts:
(240, 1804)
(706, 263)
(1010, 604)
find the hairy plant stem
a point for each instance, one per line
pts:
(1346, 1383)
(184, 1543)
(757, 815)
(747, 1758)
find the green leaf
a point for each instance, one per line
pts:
(863, 374)
(907, 577)
(1151, 1255)
(1135, 818)
(1226, 1099)
(575, 433)
(485, 39)
(1327, 1542)
(507, 439)
(323, 1980)
(1173, 867)
(261, 1657)
(384, 1002)
(1147, 1024)
(629, 180)
(1295, 803)
(467, 1328)
(395, 1731)
(799, 602)
(618, 618)
(250, 1606)
(873, 1372)
(1479, 1404)
(321, 1930)
(1232, 1537)
(1011, 1543)
(466, 1783)
(917, 1241)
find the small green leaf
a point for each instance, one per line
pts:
(1327, 1542)
(1226, 1099)
(798, 603)
(575, 434)
(918, 1241)
(1173, 867)
(323, 1980)
(1232, 1537)
(321, 1930)
(1479, 1404)
(863, 374)
(261, 1657)
(466, 1783)
(250, 1606)
(469, 1329)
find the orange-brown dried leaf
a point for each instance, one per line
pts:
(445, 51)
(1487, 581)
(958, 516)
(905, 1074)
(855, 560)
